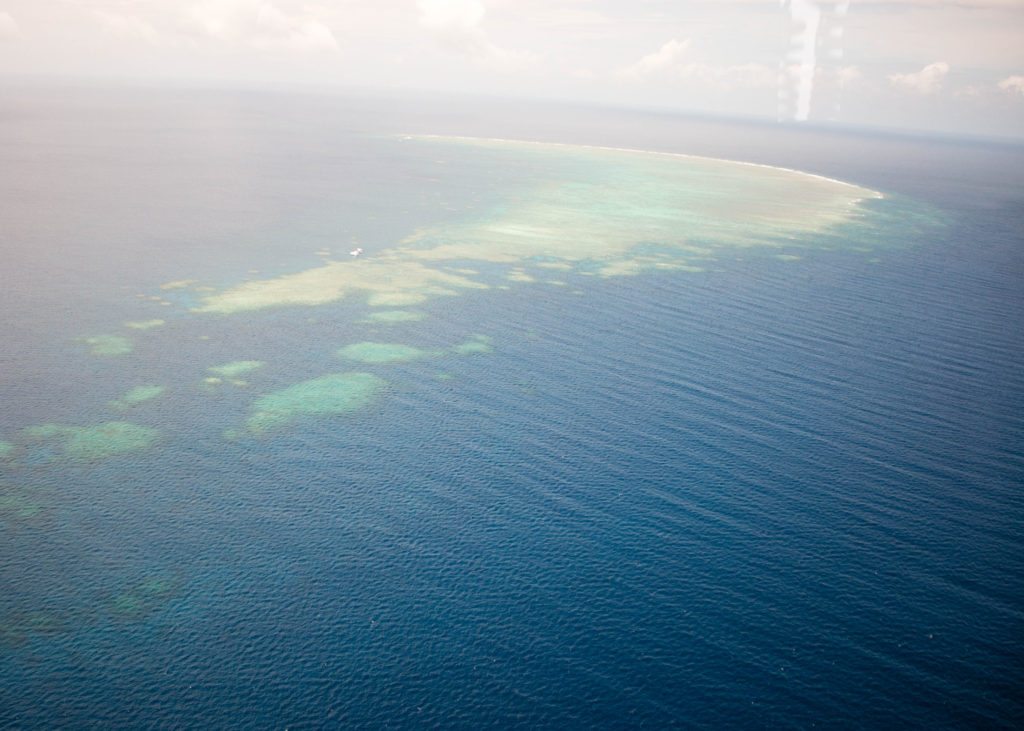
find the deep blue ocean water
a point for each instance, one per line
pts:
(771, 494)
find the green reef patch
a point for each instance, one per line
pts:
(381, 353)
(372, 353)
(100, 441)
(519, 275)
(6, 450)
(17, 505)
(17, 628)
(396, 299)
(139, 601)
(109, 345)
(235, 368)
(144, 324)
(388, 317)
(137, 395)
(631, 266)
(178, 284)
(330, 395)
(475, 345)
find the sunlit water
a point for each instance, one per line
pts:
(768, 475)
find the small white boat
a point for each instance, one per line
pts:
(356, 252)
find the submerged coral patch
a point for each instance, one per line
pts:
(379, 353)
(17, 628)
(145, 597)
(109, 345)
(144, 324)
(234, 369)
(137, 395)
(178, 284)
(99, 441)
(395, 299)
(475, 345)
(329, 395)
(17, 505)
(519, 275)
(388, 317)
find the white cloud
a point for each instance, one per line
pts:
(879, 4)
(730, 76)
(1013, 85)
(932, 4)
(261, 25)
(8, 27)
(299, 33)
(849, 75)
(458, 26)
(126, 27)
(670, 62)
(567, 17)
(457, 17)
(589, 50)
(665, 59)
(926, 81)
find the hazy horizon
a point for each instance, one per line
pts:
(937, 66)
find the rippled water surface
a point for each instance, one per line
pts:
(707, 486)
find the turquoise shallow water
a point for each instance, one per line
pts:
(772, 492)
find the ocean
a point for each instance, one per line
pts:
(765, 475)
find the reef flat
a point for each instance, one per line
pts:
(385, 281)
(603, 211)
(596, 204)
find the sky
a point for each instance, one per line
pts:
(945, 66)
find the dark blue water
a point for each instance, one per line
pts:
(775, 494)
